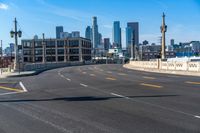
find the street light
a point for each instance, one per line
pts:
(15, 34)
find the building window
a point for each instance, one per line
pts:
(74, 58)
(86, 51)
(38, 44)
(50, 44)
(27, 52)
(25, 59)
(60, 43)
(73, 43)
(74, 51)
(60, 58)
(38, 52)
(50, 51)
(60, 51)
(51, 58)
(38, 59)
(26, 44)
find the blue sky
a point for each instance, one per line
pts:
(41, 16)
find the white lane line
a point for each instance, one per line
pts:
(9, 93)
(68, 79)
(84, 85)
(23, 87)
(63, 76)
(114, 94)
(196, 116)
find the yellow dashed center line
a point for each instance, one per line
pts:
(151, 85)
(10, 89)
(110, 78)
(145, 77)
(194, 83)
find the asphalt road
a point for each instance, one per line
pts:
(100, 99)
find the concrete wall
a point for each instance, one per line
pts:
(164, 65)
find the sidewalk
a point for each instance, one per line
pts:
(17, 74)
(186, 73)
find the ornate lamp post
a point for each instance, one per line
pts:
(15, 34)
(163, 29)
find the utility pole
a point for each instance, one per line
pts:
(163, 31)
(16, 34)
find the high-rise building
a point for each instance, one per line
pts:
(95, 33)
(8, 51)
(129, 33)
(59, 29)
(117, 34)
(106, 43)
(172, 42)
(65, 35)
(75, 34)
(132, 30)
(88, 33)
(99, 39)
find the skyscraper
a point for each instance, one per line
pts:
(99, 39)
(106, 43)
(88, 33)
(129, 32)
(132, 28)
(75, 34)
(59, 29)
(117, 34)
(95, 33)
(172, 42)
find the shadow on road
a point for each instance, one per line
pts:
(87, 98)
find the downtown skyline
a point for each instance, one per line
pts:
(43, 15)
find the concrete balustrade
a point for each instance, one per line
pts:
(166, 65)
(5, 70)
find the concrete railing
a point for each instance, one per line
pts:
(166, 65)
(46, 66)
